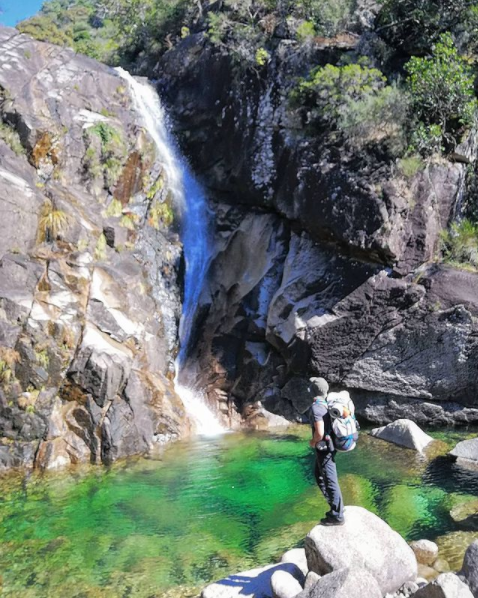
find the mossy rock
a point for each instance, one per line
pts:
(465, 514)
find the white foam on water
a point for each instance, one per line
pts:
(205, 422)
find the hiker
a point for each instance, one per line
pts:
(325, 469)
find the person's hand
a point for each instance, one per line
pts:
(312, 443)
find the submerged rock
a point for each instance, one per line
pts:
(364, 542)
(465, 514)
(404, 432)
(453, 546)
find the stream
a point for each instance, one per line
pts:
(204, 508)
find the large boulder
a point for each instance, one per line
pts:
(254, 583)
(405, 433)
(470, 567)
(344, 583)
(466, 452)
(446, 585)
(364, 542)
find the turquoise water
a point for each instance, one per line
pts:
(206, 508)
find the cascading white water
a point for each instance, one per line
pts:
(190, 202)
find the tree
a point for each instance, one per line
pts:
(441, 89)
(415, 25)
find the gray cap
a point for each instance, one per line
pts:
(320, 387)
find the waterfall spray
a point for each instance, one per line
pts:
(190, 202)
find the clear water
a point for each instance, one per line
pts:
(204, 509)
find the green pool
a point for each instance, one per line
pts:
(205, 508)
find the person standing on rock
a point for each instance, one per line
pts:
(325, 469)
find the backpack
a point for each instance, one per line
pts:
(344, 425)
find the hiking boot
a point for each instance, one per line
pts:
(330, 521)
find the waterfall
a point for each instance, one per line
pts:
(190, 203)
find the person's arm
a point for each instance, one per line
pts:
(318, 433)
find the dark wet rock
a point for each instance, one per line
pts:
(15, 455)
(383, 408)
(299, 392)
(257, 154)
(404, 349)
(324, 257)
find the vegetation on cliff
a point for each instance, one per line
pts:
(395, 80)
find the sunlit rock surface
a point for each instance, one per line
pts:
(364, 542)
(89, 299)
(403, 432)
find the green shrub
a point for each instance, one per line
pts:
(160, 214)
(460, 243)
(52, 223)
(427, 140)
(305, 31)
(45, 29)
(441, 90)
(380, 117)
(262, 56)
(112, 153)
(330, 88)
(91, 163)
(355, 101)
(107, 133)
(11, 138)
(410, 166)
(329, 17)
(100, 249)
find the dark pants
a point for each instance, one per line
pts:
(327, 480)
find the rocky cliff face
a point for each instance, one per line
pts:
(89, 297)
(325, 258)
